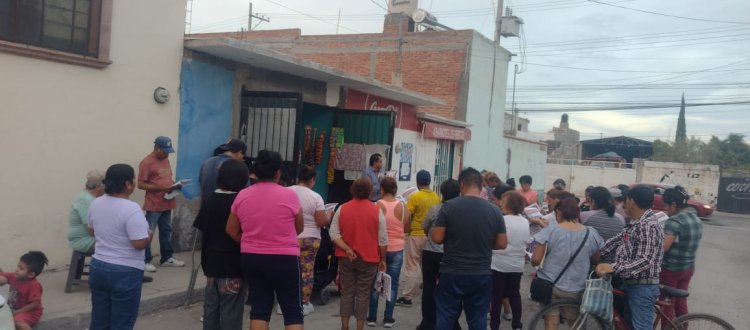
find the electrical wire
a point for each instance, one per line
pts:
(667, 15)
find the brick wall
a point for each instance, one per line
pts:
(433, 62)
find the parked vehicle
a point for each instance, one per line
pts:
(703, 209)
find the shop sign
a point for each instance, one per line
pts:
(445, 132)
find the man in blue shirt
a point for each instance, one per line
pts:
(233, 149)
(374, 174)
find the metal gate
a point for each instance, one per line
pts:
(443, 163)
(268, 121)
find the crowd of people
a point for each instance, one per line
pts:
(260, 241)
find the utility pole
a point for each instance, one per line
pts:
(338, 21)
(250, 17)
(514, 121)
(498, 20)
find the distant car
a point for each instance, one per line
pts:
(704, 210)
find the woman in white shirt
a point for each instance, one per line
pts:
(507, 264)
(313, 211)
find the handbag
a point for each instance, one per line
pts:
(541, 289)
(597, 298)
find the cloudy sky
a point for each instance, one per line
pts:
(628, 57)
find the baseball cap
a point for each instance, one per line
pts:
(234, 145)
(423, 177)
(164, 143)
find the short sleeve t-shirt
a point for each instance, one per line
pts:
(419, 204)
(688, 231)
(310, 201)
(606, 226)
(513, 257)
(266, 212)
(471, 226)
(116, 222)
(22, 293)
(158, 172)
(209, 173)
(531, 195)
(561, 245)
(78, 218)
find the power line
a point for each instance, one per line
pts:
(311, 16)
(611, 70)
(635, 107)
(668, 15)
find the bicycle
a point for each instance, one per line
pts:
(697, 321)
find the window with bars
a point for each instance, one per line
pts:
(70, 26)
(443, 162)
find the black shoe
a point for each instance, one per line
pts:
(403, 302)
(371, 322)
(147, 279)
(388, 323)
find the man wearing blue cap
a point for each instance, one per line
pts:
(418, 204)
(155, 177)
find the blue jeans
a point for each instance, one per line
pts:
(115, 295)
(473, 291)
(164, 221)
(640, 307)
(393, 261)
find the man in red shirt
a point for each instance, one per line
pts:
(155, 177)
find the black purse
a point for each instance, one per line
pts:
(541, 289)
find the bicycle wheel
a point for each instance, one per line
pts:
(570, 308)
(700, 322)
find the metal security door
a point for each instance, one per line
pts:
(268, 121)
(443, 163)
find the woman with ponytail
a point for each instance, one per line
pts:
(602, 216)
(682, 235)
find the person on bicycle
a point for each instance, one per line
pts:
(637, 253)
(682, 234)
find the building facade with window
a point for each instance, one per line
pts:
(78, 86)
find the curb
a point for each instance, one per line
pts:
(155, 304)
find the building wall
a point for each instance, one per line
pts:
(527, 158)
(423, 156)
(486, 101)
(579, 177)
(700, 180)
(60, 120)
(205, 116)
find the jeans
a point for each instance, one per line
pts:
(393, 261)
(640, 306)
(471, 290)
(164, 221)
(223, 303)
(679, 280)
(430, 272)
(115, 295)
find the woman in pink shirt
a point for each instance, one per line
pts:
(266, 219)
(395, 213)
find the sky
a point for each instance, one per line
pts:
(612, 65)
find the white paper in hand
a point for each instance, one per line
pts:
(383, 285)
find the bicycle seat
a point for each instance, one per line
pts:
(672, 292)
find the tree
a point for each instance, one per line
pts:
(681, 150)
(735, 153)
(663, 151)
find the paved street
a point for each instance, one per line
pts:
(718, 287)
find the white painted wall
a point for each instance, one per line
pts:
(423, 156)
(700, 180)
(579, 177)
(58, 121)
(527, 158)
(485, 106)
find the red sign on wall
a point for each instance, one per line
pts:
(445, 132)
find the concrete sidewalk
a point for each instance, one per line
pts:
(73, 310)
